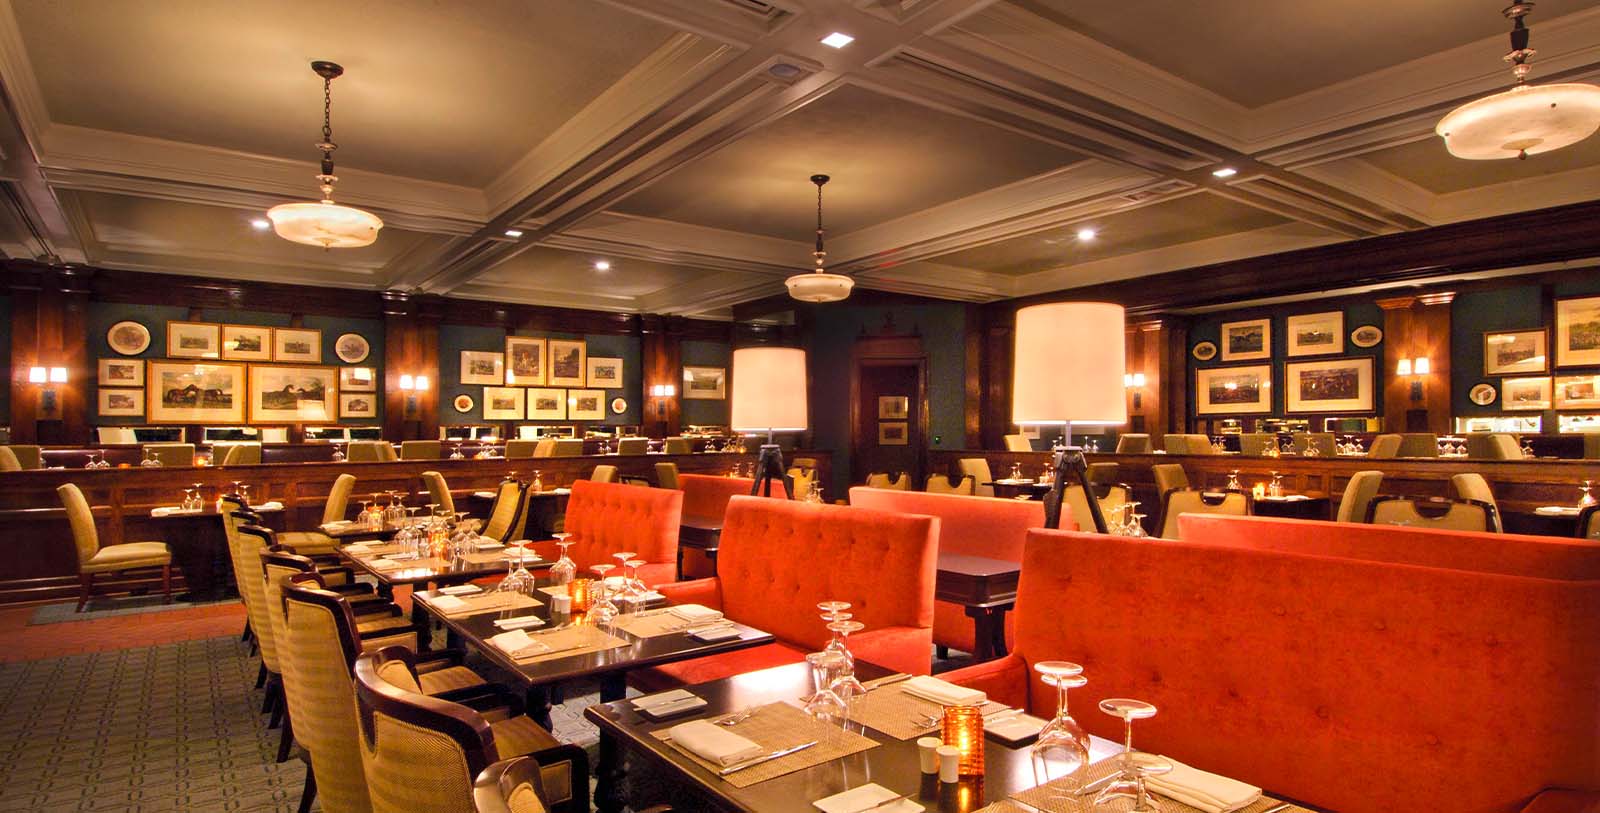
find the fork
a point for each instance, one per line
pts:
(736, 717)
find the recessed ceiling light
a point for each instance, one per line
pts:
(261, 224)
(1225, 172)
(1086, 234)
(837, 40)
(513, 232)
(602, 265)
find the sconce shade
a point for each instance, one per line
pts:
(36, 375)
(1403, 367)
(769, 389)
(1069, 364)
(1422, 366)
(58, 375)
(422, 383)
(407, 382)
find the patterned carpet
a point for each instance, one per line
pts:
(174, 727)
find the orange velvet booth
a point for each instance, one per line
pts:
(1325, 671)
(707, 496)
(609, 518)
(779, 558)
(971, 526)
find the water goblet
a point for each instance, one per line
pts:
(1275, 488)
(338, 452)
(1129, 783)
(1016, 471)
(519, 580)
(844, 683)
(244, 493)
(1062, 748)
(603, 613)
(833, 607)
(624, 587)
(823, 705)
(1233, 481)
(564, 570)
(635, 598)
(538, 482)
(188, 499)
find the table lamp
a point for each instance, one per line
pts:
(1068, 367)
(769, 395)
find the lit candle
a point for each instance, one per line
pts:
(1258, 491)
(963, 730)
(578, 592)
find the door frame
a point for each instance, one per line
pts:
(888, 351)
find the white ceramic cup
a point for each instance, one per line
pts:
(928, 753)
(949, 763)
(561, 604)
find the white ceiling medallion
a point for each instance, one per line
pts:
(1527, 119)
(326, 224)
(819, 285)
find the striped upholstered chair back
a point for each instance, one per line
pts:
(439, 492)
(322, 700)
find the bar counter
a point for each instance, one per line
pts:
(36, 550)
(1519, 486)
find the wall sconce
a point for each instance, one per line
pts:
(1414, 369)
(412, 385)
(49, 400)
(1135, 382)
(659, 392)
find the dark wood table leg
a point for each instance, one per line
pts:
(537, 701)
(680, 563)
(985, 629)
(608, 776)
(998, 628)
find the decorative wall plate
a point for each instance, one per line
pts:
(463, 403)
(619, 405)
(128, 338)
(352, 348)
(1205, 351)
(1366, 336)
(1483, 394)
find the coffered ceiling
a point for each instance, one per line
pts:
(968, 140)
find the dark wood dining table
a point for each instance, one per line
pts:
(199, 546)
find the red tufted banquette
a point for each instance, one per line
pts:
(972, 526)
(1312, 666)
(609, 518)
(779, 558)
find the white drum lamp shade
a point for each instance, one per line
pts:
(769, 389)
(1068, 364)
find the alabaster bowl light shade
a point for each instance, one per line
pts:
(325, 224)
(816, 286)
(769, 389)
(1527, 119)
(1068, 364)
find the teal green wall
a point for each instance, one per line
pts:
(704, 354)
(835, 330)
(455, 338)
(1515, 308)
(102, 315)
(1209, 329)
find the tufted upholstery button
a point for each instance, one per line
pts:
(1491, 641)
(1279, 611)
(1233, 693)
(1322, 712)
(1155, 677)
(1379, 626)
(1431, 739)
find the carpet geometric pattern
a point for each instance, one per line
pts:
(111, 606)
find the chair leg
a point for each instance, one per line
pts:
(309, 793)
(166, 583)
(267, 700)
(254, 646)
(285, 738)
(85, 584)
(245, 636)
(261, 676)
(942, 652)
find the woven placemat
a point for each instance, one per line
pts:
(579, 639)
(894, 712)
(652, 623)
(426, 563)
(490, 601)
(777, 726)
(496, 556)
(1058, 797)
(374, 551)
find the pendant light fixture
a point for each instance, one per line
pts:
(1527, 119)
(818, 285)
(326, 224)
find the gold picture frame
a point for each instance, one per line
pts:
(120, 372)
(358, 405)
(1247, 340)
(297, 344)
(586, 405)
(247, 342)
(1329, 385)
(1237, 390)
(568, 366)
(1525, 394)
(705, 383)
(293, 394)
(195, 392)
(503, 403)
(194, 340)
(1515, 352)
(483, 367)
(894, 433)
(894, 407)
(525, 362)
(1577, 392)
(604, 373)
(358, 379)
(547, 404)
(1578, 332)
(114, 403)
(1315, 334)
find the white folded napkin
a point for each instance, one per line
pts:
(460, 590)
(1202, 790)
(943, 692)
(1013, 727)
(488, 544)
(695, 613)
(487, 495)
(448, 604)
(386, 564)
(662, 698)
(358, 548)
(863, 798)
(516, 642)
(714, 743)
(520, 622)
(272, 505)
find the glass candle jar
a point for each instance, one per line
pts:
(578, 591)
(963, 729)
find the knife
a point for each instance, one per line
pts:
(885, 803)
(750, 763)
(887, 680)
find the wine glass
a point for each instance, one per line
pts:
(1233, 481)
(538, 482)
(564, 570)
(1588, 495)
(1016, 471)
(635, 599)
(604, 613)
(244, 492)
(1129, 783)
(520, 579)
(188, 499)
(1062, 748)
(338, 452)
(824, 705)
(1275, 488)
(844, 683)
(624, 587)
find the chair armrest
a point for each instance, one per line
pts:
(1004, 680)
(434, 660)
(487, 697)
(1565, 801)
(347, 571)
(366, 609)
(903, 649)
(699, 591)
(579, 760)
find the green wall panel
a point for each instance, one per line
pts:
(455, 338)
(704, 354)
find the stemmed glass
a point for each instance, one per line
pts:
(564, 570)
(1275, 488)
(149, 460)
(338, 452)
(538, 482)
(1233, 481)
(1129, 783)
(244, 493)
(1062, 745)
(1588, 494)
(1016, 471)
(634, 600)
(824, 705)
(844, 683)
(520, 579)
(624, 588)
(603, 613)
(188, 499)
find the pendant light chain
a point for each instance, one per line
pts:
(327, 178)
(819, 253)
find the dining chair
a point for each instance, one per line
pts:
(568, 447)
(1175, 444)
(1323, 442)
(1589, 522)
(506, 511)
(1255, 444)
(439, 492)
(240, 454)
(1471, 486)
(1358, 494)
(667, 475)
(1112, 497)
(93, 560)
(1103, 473)
(8, 460)
(171, 455)
(800, 482)
(1431, 512)
(1133, 444)
(942, 484)
(1182, 501)
(334, 509)
(521, 449)
(1591, 447)
(29, 456)
(633, 446)
(515, 786)
(1419, 444)
(604, 473)
(546, 447)
(423, 753)
(421, 450)
(1169, 476)
(1493, 446)
(677, 445)
(1198, 445)
(978, 469)
(1385, 447)
(363, 451)
(1018, 443)
(899, 482)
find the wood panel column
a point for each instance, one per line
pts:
(661, 354)
(1416, 327)
(49, 312)
(1156, 406)
(996, 384)
(410, 347)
